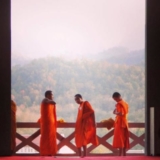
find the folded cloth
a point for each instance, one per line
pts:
(109, 123)
(61, 120)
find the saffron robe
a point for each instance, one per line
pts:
(85, 130)
(48, 125)
(13, 125)
(121, 132)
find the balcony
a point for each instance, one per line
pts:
(67, 142)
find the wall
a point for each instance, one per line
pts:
(152, 65)
(5, 76)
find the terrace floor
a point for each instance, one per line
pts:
(75, 158)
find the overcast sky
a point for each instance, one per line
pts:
(54, 27)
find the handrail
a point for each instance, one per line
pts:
(72, 125)
(67, 141)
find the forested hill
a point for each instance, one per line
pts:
(95, 80)
(123, 56)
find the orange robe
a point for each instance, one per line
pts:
(13, 125)
(85, 131)
(48, 125)
(121, 133)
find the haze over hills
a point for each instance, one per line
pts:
(121, 55)
(116, 55)
(20, 59)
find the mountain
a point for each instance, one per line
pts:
(121, 55)
(95, 80)
(116, 55)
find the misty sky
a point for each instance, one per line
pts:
(56, 27)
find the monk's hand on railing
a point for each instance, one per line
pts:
(61, 120)
(103, 121)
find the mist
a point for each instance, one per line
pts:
(76, 28)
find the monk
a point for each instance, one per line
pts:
(13, 126)
(85, 130)
(121, 133)
(48, 125)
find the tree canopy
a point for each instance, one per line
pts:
(95, 80)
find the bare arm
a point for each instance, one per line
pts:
(117, 113)
(48, 101)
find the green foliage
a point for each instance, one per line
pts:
(95, 80)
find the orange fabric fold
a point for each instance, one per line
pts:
(13, 125)
(85, 130)
(48, 125)
(121, 132)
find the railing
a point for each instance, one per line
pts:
(68, 141)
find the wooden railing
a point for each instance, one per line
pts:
(68, 141)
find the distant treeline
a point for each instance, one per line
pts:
(95, 80)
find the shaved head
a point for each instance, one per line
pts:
(116, 95)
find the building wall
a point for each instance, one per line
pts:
(152, 68)
(5, 78)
